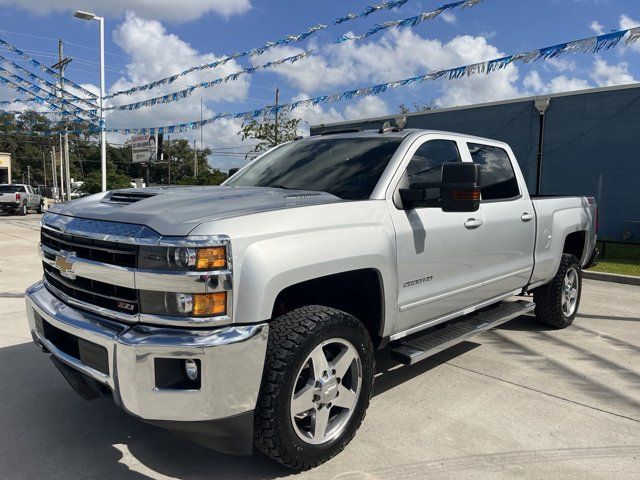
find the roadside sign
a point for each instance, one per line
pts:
(146, 148)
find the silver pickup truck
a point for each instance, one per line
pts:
(19, 199)
(248, 314)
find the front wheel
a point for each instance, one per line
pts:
(557, 302)
(316, 386)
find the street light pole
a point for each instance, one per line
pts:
(103, 134)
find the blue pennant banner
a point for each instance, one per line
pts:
(40, 95)
(590, 45)
(172, 97)
(408, 22)
(260, 50)
(43, 67)
(41, 81)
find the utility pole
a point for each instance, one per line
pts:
(169, 161)
(275, 135)
(28, 174)
(195, 160)
(61, 65)
(54, 162)
(61, 168)
(44, 168)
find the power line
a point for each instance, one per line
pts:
(66, 42)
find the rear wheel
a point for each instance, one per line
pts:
(316, 386)
(23, 210)
(557, 302)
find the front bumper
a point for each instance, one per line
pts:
(231, 360)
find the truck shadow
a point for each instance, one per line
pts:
(50, 432)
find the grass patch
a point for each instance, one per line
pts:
(619, 258)
(622, 266)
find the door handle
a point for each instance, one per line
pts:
(526, 217)
(472, 223)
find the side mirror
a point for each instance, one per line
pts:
(459, 190)
(232, 171)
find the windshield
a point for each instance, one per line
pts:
(348, 168)
(11, 189)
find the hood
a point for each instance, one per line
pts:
(178, 210)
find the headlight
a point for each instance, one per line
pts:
(184, 304)
(183, 258)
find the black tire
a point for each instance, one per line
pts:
(23, 210)
(549, 298)
(292, 338)
(40, 208)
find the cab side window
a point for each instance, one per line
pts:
(426, 164)
(497, 180)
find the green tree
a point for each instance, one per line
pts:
(417, 107)
(115, 180)
(266, 134)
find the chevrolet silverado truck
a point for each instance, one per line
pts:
(247, 315)
(19, 199)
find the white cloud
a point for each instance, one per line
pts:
(170, 10)
(449, 17)
(597, 27)
(626, 22)
(163, 55)
(534, 82)
(606, 75)
(366, 107)
(396, 55)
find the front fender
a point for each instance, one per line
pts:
(271, 265)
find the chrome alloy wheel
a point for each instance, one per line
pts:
(326, 391)
(570, 286)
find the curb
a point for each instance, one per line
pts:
(611, 277)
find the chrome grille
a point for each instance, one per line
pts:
(113, 253)
(113, 297)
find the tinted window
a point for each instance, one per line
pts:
(426, 164)
(348, 168)
(11, 189)
(498, 180)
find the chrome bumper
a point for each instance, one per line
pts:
(232, 360)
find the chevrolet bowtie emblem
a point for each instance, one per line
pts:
(64, 263)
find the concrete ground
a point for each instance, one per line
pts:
(518, 402)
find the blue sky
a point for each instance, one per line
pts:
(145, 43)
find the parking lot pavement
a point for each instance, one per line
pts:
(521, 401)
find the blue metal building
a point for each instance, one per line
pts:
(577, 143)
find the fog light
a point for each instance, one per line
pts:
(191, 369)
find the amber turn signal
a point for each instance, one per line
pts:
(212, 258)
(466, 195)
(209, 304)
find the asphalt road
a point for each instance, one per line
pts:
(518, 402)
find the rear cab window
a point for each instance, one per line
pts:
(11, 189)
(498, 179)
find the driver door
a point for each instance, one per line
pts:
(438, 253)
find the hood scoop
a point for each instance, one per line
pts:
(124, 197)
